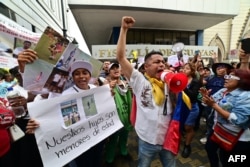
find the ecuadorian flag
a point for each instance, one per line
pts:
(173, 136)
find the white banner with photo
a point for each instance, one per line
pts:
(72, 124)
(15, 30)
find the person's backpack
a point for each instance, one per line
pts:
(7, 119)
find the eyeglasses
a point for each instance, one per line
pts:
(230, 77)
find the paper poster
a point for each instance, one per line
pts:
(73, 123)
(13, 40)
(51, 46)
(173, 60)
(50, 73)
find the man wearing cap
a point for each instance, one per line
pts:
(123, 101)
(152, 121)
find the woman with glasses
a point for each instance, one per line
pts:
(232, 110)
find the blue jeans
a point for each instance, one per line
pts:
(147, 152)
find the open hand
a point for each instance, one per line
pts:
(204, 91)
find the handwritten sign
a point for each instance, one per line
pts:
(72, 124)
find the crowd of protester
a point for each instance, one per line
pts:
(206, 88)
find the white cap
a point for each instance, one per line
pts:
(80, 64)
(112, 64)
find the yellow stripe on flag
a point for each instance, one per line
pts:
(186, 100)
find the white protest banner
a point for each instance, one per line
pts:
(8, 62)
(71, 124)
(13, 29)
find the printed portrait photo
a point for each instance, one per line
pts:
(69, 111)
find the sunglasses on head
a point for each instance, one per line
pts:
(231, 77)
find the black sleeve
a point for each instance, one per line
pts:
(193, 90)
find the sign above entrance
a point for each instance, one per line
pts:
(109, 51)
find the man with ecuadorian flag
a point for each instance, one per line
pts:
(153, 105)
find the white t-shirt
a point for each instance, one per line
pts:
(70, 90)
(75, 89)
(18, 50)
(151, 125)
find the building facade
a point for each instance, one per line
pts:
(35, 16)
(226, 35)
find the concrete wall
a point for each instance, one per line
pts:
(200, 6)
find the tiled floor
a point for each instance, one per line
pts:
(198, 157)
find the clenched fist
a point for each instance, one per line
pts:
(127, 22)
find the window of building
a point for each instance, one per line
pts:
(7, 12)
(160, 37)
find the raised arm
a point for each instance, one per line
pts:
(126, 23)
